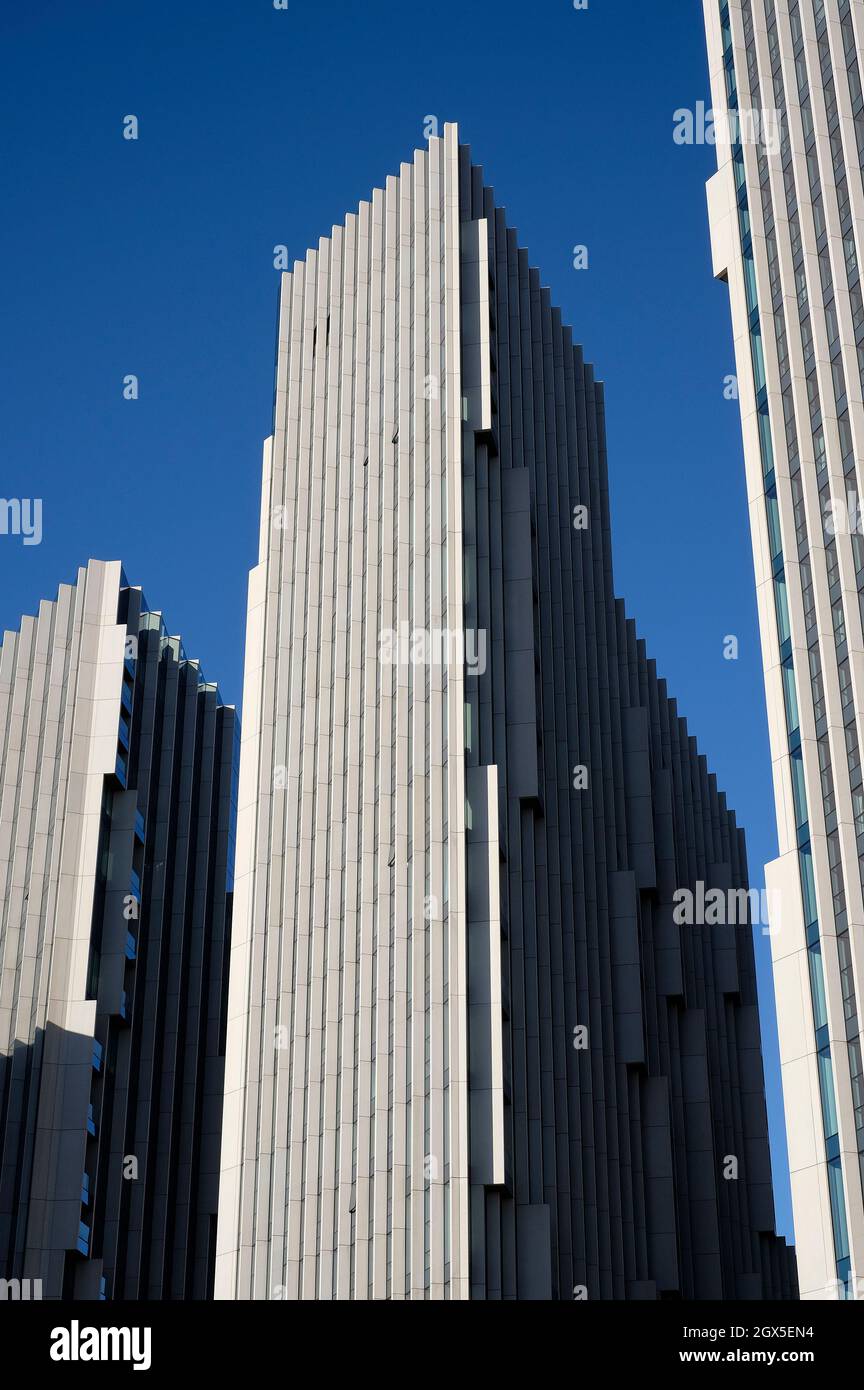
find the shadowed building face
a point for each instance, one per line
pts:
(117, 776)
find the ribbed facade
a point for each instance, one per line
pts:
(471, 1052)
(787, 220)
(117, 791)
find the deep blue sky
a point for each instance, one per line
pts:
(260, 127)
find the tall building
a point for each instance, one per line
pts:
(117, 803)
(787, 221)
(472, 1052)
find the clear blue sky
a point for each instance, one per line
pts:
(260, 126)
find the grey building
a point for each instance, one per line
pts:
(117, 804)
(787, 227)
(471, 1051)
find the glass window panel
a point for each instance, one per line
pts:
(808, 886)
(817, 985)
(826, 1086)
(799, 788)
(838, 1209)
(792, 717)
(782, 604)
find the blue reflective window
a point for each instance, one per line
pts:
(838, 1209)
(772, 507)
(787, 671)
(784, 629)
(808, 885)
(844, 1270)
(738, 168)
(817, 985)
(750, 280)
(759, 377)
(799, 788)
(829, 1104)
(765, 439)
(744, 215)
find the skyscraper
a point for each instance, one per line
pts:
(474, 1051)
(117, 800)
(787, 216)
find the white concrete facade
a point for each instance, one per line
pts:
(345, 1162)
(60, 682)
(787, 226)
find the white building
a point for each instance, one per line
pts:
(787, 221)
(470, 1053)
